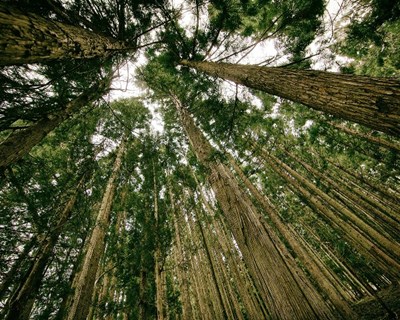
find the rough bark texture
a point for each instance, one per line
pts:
(29, 38)
(19, 143)
(85, 283)
(278, 286)
(373, 102)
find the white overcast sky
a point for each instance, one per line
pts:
(124, 85)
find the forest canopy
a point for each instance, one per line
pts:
(199, 159)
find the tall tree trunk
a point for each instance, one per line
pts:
(313, 196)
(85, 283)
(19, 143)
(313, 265)
(375, 140)
(211, 261)
(373, 102)
(158, 265)
(388, 245)
(244, 283)
(10, 276)
(279, 288)
(22, 301)
(29, 38)
(179, 260)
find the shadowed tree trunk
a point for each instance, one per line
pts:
(22, 301)
(322, 203)
(373, 102)
(20, 143)
(180, 259)
(279, 287)
(85, 282)
(375, 140)
(318, 271)
(29, 38)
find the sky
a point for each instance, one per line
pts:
(124, 85)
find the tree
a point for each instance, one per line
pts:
(252, 237)
(19, 143)
(20, 45)
(373, 102)
(95, 248)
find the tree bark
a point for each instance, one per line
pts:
(19, 143)
(86, 280)
(318, 271)
(29, 38)
(313, 196)
(373, 102)
(283, 295)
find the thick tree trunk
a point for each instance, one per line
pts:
(29, 38)
(279, 288)
(19, 143)
(22, 302)
(373, 102)
(85, 283)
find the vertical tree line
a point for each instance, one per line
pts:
(270, 192)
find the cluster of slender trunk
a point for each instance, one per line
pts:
(85, 279)
(213, 279)
(259, 245)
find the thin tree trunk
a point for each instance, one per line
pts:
(312, 194)
(16, 267)
(373, 102)
(313, 265)
(157, 255)
(244, 284)
(279, 288)
(375, 217)
(211, 263)
(85, 284)
(22, 301)
(179, 259)
(29, 38)
(386, 244)
(19, 143)
(375, 140)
